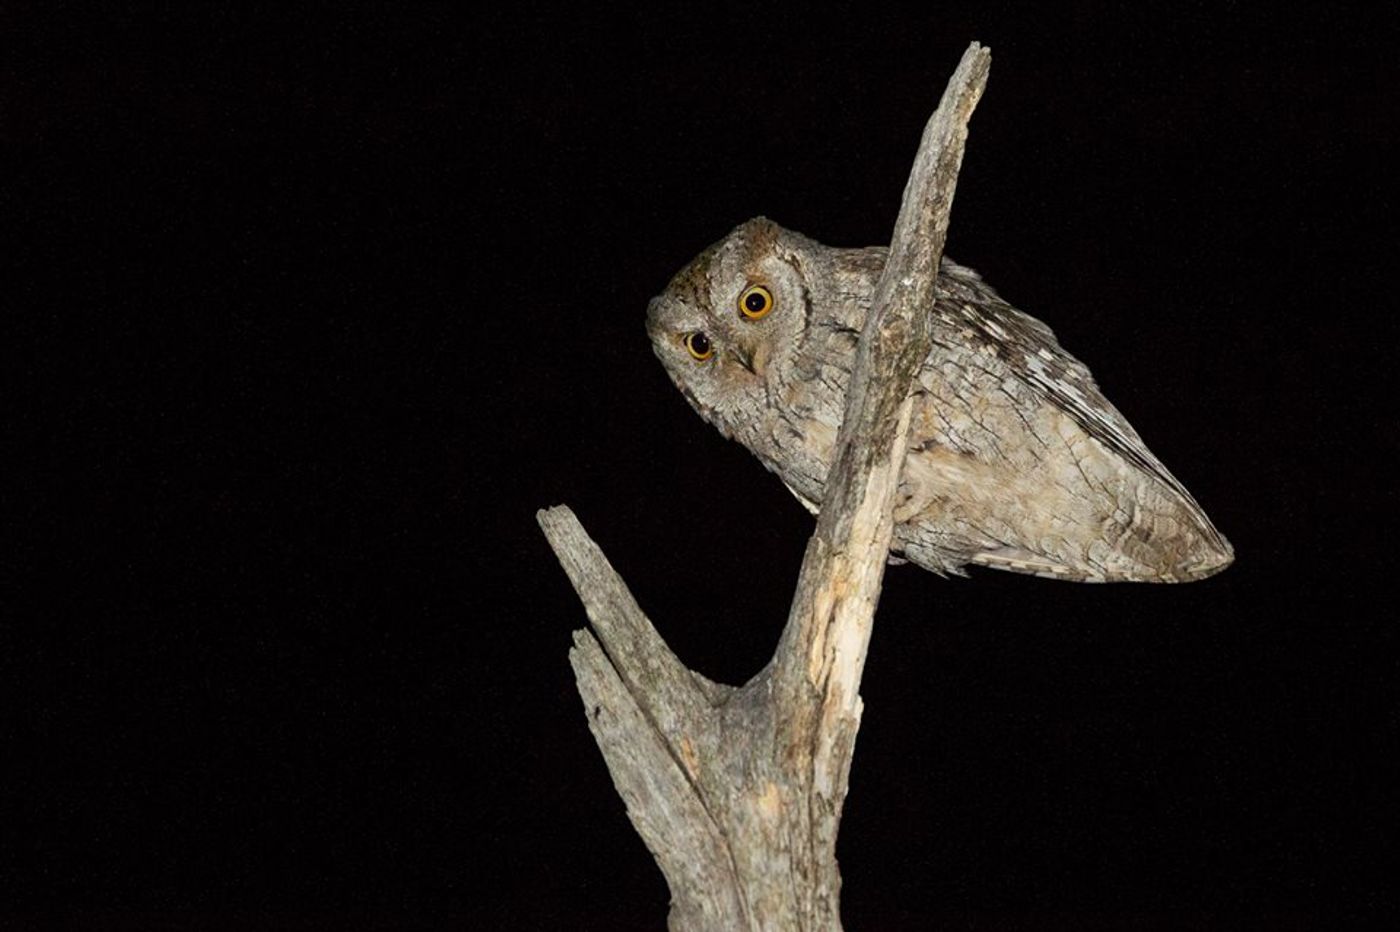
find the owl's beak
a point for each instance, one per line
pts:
(746, 360)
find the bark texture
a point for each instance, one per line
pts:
(738, 791)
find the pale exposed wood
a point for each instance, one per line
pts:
(738, 792)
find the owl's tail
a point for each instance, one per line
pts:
(1159, 535)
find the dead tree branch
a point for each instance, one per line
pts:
(738, 792)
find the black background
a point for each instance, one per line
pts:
(311, 310)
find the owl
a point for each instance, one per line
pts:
(1016, 461)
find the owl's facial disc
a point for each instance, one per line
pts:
(714, 365)
(724, 327)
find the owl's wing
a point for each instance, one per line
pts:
(1029, 348)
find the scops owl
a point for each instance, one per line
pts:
(1015, 461)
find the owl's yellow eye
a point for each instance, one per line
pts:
(699, 346)
(755, 302)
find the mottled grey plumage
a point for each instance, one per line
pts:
(1016, 461)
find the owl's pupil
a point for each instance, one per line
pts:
(754, 302)
(700, 343)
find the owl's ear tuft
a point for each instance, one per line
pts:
(759, 223)
(760, 233)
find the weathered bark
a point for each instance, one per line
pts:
(738, 792)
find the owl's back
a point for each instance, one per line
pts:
(1016, 460)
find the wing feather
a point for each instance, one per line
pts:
(1029, 348)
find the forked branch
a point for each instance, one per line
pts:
(738, 792)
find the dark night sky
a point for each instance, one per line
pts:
(311, 311)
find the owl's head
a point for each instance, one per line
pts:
(729, 324)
